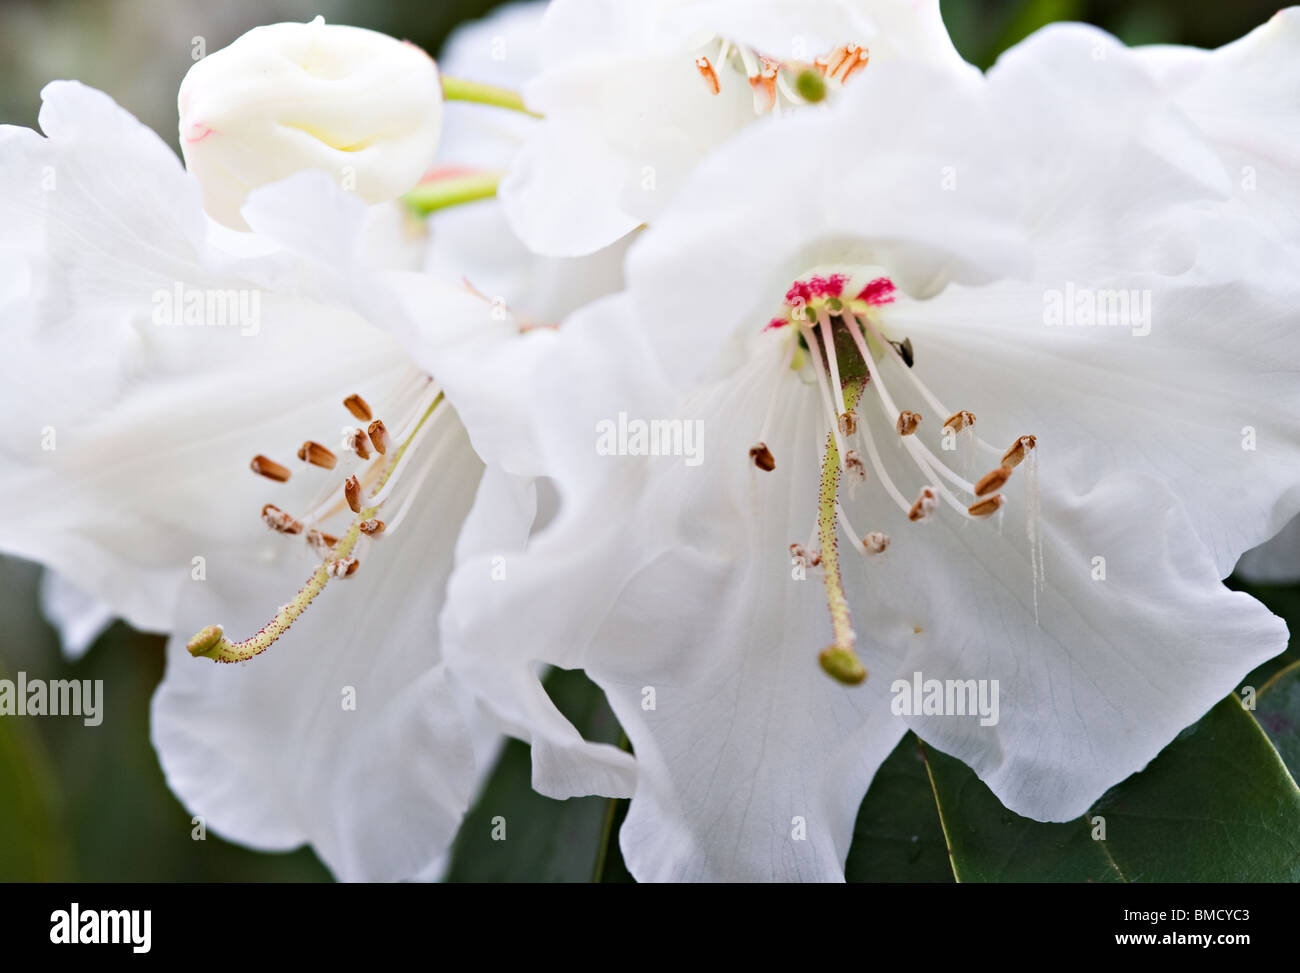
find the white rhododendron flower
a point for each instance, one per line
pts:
(963, 398)
(356, 104)
(636, 94)
(158, 356)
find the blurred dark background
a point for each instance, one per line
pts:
(78, 804)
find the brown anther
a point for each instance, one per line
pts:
(321, 540)
(358, 443)
(358, 407)
(352, 493)
(853, 464)
(799, 554)
(907, 422)
(371, 527)
(835, 60)
(1013, 456)
(924, 505)
(855, 64)
(710, 76)
(379, 436)
(317, 455)
(992, 480)
(762, 457)
(344, 567)
(278, 520)
(269, 468)
(875, 542)
(982, 508)
(959, 421)
(849, 423)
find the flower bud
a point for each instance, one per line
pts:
(356, 104)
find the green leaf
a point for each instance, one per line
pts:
(1217, 805)
(515, 834)
(1277, 708)
(898, 837)
(1036, 14)
(33, 846)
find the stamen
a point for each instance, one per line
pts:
(358, 443)
(764, 89)
(847, 419)
(799, 554)
(211, 641)
(937, 465)
(358, 407)
(836, 60)
(344, 567)
(372, 527)
(875, 542)
(982, 508)
(924, 506)
(819, 368)
(320, 540)
(959, 421)
(787, 359)
(856, 63)
(903, 352)
(269, 468)
(317, 455)
(854, 466)
(881, 473)
(1018, 450)
(379, 436)
(280, 521)
(993, 480)
(762, 457)
(710, 76)
(906, 423)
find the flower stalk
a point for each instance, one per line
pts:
(458, 89)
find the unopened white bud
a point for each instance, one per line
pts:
(362, 106)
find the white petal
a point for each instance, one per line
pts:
(1116, 666)
(674, 582)
(562, 193)
(1243, 97)
(80, 617)
(503, 48)
(564, 765)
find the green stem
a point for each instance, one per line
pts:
(443, 193)
(458, 89)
